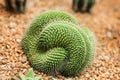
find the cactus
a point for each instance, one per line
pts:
(82, 5)
(16, 5)
(29, 76)
(54, 44)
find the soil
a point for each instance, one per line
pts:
(104, 21)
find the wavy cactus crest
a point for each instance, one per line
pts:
(55, 44)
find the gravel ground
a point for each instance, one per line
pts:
(104, 21)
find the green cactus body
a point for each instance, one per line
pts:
(55, 44)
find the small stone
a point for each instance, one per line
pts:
(18, 40)
(7, 46)
(12, 65)
(1, 58)
(92, 79)
(9, 68)
(97, 65)
(23, 59)
(12, 24)
(87, 75)
(106, 58)
(109, 35)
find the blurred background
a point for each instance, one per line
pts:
(103, 19)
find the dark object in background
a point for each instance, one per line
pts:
(82, 5)
(17, 6)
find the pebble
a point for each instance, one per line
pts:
(98, 65)
(18, 40)
(23, 59)
(87, 74)
(109, 35)
(1, 58)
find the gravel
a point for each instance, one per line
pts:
(104, 21)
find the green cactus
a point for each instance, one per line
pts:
(16, 5)
(29, 76)
(54, 44)
(82, 5)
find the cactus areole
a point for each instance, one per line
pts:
(55, 44)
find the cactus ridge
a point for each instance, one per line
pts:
(54, 44)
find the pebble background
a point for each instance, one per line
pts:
(104, 21)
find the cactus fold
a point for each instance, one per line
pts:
(55, 44)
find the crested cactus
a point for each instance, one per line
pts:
(54, 44)
(16, 5)
(82, 5)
